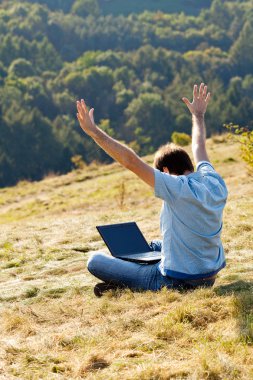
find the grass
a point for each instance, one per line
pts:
(51, 325)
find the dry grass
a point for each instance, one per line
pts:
(51, 325)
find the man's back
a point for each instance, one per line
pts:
(191, 222)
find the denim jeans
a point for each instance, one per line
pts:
(137, 276)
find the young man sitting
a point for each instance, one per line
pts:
(191, 217)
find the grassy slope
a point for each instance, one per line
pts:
(168, 6)
(52, 327)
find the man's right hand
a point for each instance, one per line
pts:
(86, 118)
(200, 100)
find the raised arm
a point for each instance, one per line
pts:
(119, 152)
(198, 109)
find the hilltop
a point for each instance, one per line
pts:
(51, 325)
(116, 7)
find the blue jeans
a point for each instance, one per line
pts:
(137, 276)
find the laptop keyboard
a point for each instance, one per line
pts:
(147, 254)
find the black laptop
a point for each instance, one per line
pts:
(125, 241)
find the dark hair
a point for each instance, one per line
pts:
(174, 158)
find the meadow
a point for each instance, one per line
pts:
(53, 327)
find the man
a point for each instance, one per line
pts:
(191, 218)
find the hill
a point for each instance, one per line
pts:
(51, 325)
(133, 69)
(168, 6)
(117, 7)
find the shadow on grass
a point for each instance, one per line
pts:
(243, 306)
(234, 287)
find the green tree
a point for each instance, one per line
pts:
(148, 121)
(183, 123)
(21, 68)
(28, 148)
(46, 56)
(7, 161)
(247, 85)
(220, 14)
(84, 8)
(96, 86)
(64, 5)
(241, 51)
(75, 82)
(3, 71)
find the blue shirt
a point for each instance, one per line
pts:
(191, 222)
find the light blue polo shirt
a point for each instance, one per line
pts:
(191, 222)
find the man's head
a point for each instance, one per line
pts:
(174, 158)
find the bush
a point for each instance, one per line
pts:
(245, 137)
(78, 162)
(181, 139)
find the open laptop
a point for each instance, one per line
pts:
(125, 241)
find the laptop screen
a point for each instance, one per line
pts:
(123, 239)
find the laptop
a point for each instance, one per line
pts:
(125, 241)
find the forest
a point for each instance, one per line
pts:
(132, 65)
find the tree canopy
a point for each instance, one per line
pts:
(133, 68)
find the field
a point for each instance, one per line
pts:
(169, 6)
(52, 326)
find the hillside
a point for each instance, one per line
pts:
(132, 68)
(51, 325)
(116, 7)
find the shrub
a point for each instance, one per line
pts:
(181, 139)
(245, 137)
(78, 162)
